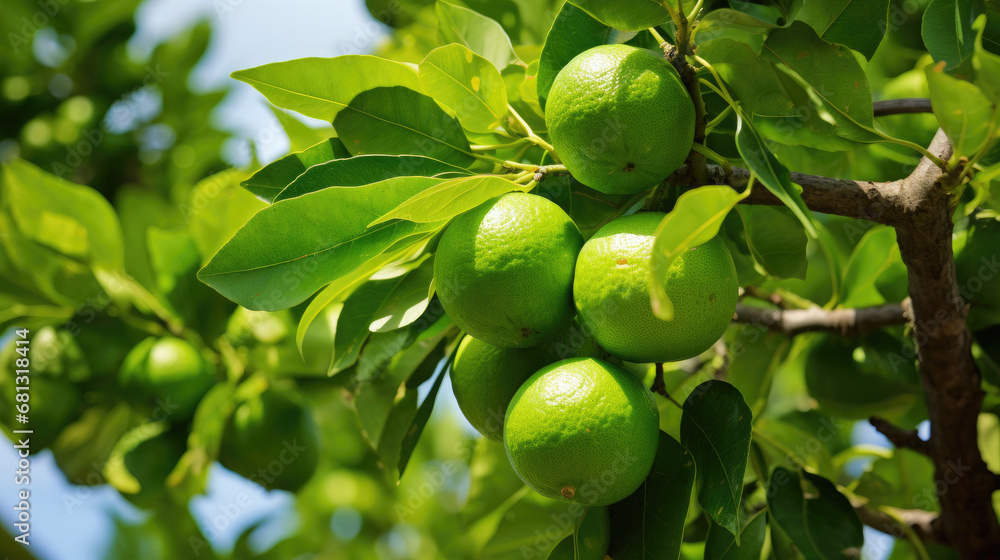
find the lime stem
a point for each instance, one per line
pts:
(710, 154)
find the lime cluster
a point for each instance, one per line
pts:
(546, 315)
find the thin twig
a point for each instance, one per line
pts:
(848, 322)
(900, 437)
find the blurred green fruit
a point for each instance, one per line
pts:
(273, 440)
(149, 463)
(168, 374)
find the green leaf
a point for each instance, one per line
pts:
(947, 31)
(776, 240)
(479, 33)
(337, 291)
(721, 545)
(216, 209)
(400, 121)
(858, 24)
(715, 428)
(855, 385)
(780, 108)
(772, 173)
(695, 219)
(902, 481)
(830, 73)
(964, 112)
(450, 198)
(363, 170)
(465, 83)
(362, 309)
(573, 32)
(419, 422)
(269, 180)
(986, 63)
(818, 518)
(290, 249)
(627, 15)
(875, 253)
(322, 87)
(728, 17)
(408, 301)
(71, 219)
(649, 524)
(517, 534)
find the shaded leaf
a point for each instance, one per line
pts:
(325, 237)
(715, 428)
(858, 24)
(818, 519)
(419, 422)
(776, 240)
(772, 173)
(322, 87)
(398, 121)
(779, 107)
(649, 524)
(947, 30)
(831, 73)
(408, 301)
(721, 545)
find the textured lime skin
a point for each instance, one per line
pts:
(977, 257)
(612, 293)
(595, 538)
(168, 373)
(583, 431)
(504, 271)
(620, 118)
(272, 440)
(485, 377)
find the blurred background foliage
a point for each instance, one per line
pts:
(77, 104)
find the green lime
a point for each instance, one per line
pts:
(612, 293)
(273, 440)
(168, 374)
(583, 431)
(977, 264)
(504, 271)
(594, 538)
(620, 118)
(485, 377)
(52, 404)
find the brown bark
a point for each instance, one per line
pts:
(847, 322)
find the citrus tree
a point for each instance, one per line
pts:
(670, 255)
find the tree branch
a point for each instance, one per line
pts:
(844, 197)
(847, 322)
(924, 524)
(903, 439)
(952, 383)
(901, 106)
